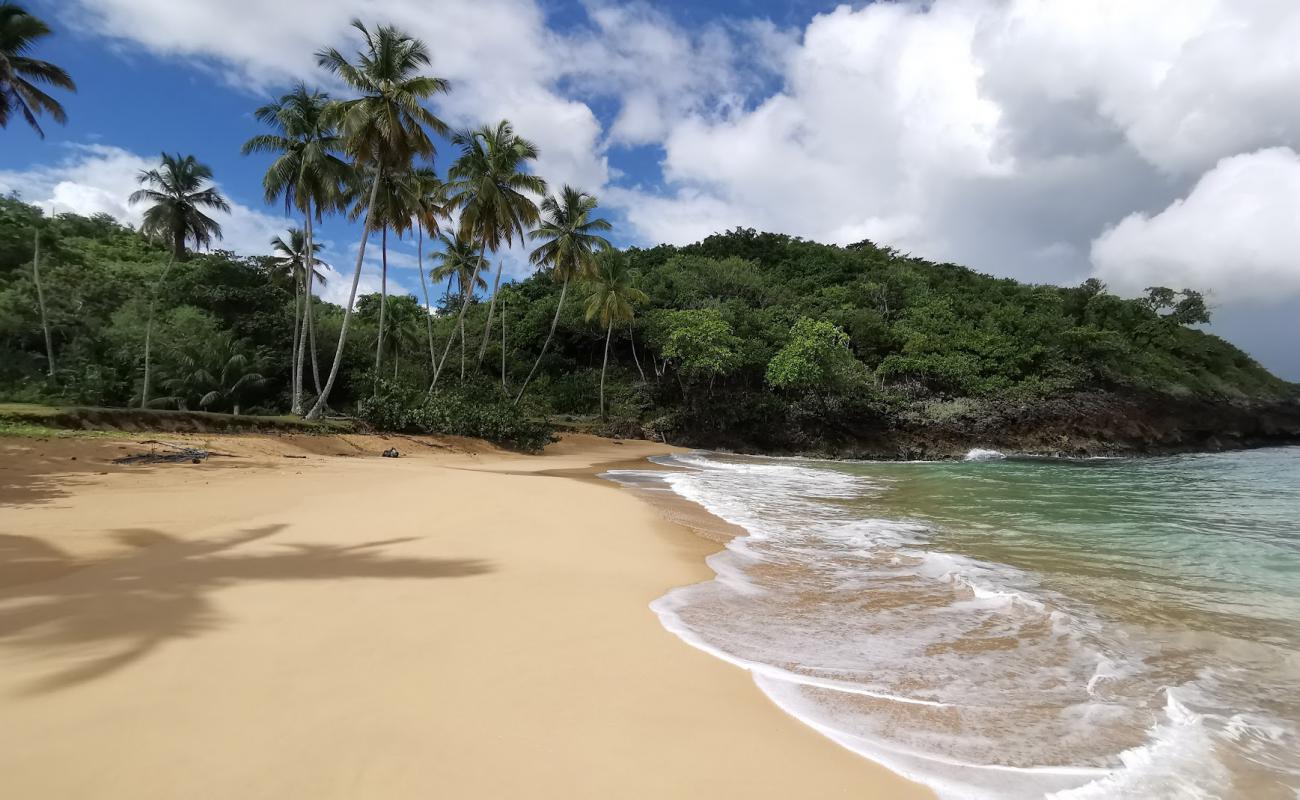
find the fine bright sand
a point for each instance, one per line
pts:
(456, 623)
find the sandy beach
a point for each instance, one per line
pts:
(302, 618)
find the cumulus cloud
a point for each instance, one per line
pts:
(98, 179)
(1235, 234)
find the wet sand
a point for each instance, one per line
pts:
(459, 622)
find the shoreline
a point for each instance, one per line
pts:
(275, 627)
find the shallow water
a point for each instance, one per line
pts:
(1008, 627)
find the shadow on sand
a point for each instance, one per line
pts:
(157, 590)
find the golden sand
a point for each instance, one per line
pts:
(456, 623)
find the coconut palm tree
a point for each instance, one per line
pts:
(177, 189)
(383, 128)
(20, 74)
(394, 208)
(492, 191)
(215, 372)
(288, 261)
(308, 175)
(431, 208)
(40, 301)
(569, 247)
(610, 297)
(458, 261)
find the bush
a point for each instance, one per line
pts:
(458, 412)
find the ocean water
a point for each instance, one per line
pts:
(1017, 628)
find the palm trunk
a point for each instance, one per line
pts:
(609, 333)
(319, 407)
(383, 302)
(503, 347)
(424, 286)
(397, 359)
(40, 301)
(460, 322)
(632, 338)
(487, 326)
(308, 336)
(148, 330)
(564, 287)
(295, 356)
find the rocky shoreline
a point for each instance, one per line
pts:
(1080, 425)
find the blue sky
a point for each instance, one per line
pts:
(1150, 143)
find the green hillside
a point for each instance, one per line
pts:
(749, 339)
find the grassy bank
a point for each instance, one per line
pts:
(29, 419)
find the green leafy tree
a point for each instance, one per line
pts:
(21, 76)
(611, 295)
(817, 359)
(177, 191)
(701, 344)
(495, 198)
(308, 175)
(1184, 308)
(383, 129)
(570, 242)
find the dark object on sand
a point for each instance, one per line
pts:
(391, 453)
(177, 455)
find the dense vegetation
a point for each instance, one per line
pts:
(745, 338)
(742, 330)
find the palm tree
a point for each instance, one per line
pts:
(383, 128)
(458, 261)
(40, 300)
(177, 189)
(308, 175)
(492, 191)
(289, 259)
(609, 299)
(215, 371)
(393, 206)
(19, 74)
(431, 207)
(569, 247)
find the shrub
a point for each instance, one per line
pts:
(458, 412)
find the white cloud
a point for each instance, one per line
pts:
(95, 179)
(1234, 235)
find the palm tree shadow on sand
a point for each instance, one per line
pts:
(132, 602)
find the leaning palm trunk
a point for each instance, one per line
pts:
(609, 334)
(564, 287)
(487, 326)
(40, 301)
(460, 323)
(632, 338)
(428, 309)
(383, 303)
(148, 329)
(295, 356)
(319, 407)
(308, 325)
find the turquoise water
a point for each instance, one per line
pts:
(1009, 627)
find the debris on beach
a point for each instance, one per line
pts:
(391, 453)
(176, 454)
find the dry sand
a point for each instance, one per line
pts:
(453, 624)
